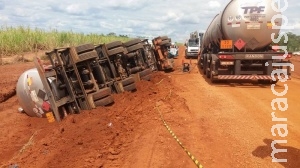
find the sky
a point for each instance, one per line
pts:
(149, 18)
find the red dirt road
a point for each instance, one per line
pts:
(222, 125)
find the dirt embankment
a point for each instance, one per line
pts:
(100, 137)
(9, 75)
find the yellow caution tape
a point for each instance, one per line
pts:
(198, 164)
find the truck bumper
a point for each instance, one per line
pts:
(192, 54)
(248, 77)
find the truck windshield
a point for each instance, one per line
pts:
(193, 43)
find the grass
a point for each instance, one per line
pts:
(18, 40)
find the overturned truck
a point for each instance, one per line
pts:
(78, 78)
(237, 44)
(161, 47)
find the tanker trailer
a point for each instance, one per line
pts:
(237, 44)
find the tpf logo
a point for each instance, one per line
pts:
(253, 9)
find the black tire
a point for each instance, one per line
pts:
(207, 71)
(87, 55)
(164, 42)
(105, 101)
(201, 66)
(212, 80)
(164, 37)
(114, 44)
(84, 48)
(115, 51)
(204, 66)
(130, 55)
(101, 93)
(135, 47)
(168, 44)
(132, 42)
(131, 87)
(145, 72)
(159, 67)
(147, 77)
(128, 81)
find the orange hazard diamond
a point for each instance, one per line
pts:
(239, 44)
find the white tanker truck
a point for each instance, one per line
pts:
(237, 44)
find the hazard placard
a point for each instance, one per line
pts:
(239, 44)
(226, 44)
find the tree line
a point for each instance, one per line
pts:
(293, 42)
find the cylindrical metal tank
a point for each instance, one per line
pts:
(31, 94)
(246, 20)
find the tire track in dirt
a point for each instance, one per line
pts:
(9, 77)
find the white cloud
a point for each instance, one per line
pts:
(75, 9)
(125, 4)
(4, 18)
(156, 26)
(2, 6)
(174, 18)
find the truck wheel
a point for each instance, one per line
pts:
(164, 37)
(147, 77)
(212, 79)
(135, 47)
(185, 56)
(159, 67)
(128, 81)
(164, 42)
(105, 101)
(115, 51)
(145, 72)
(131, 87)
(132, 42)
(84, 48)
(168, 44)
(101, 93)
(87, 55)
(207, 72)
(204, 65)
(114, 44)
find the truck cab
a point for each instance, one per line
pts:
(192, 48)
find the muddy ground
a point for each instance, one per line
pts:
(222, 125)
